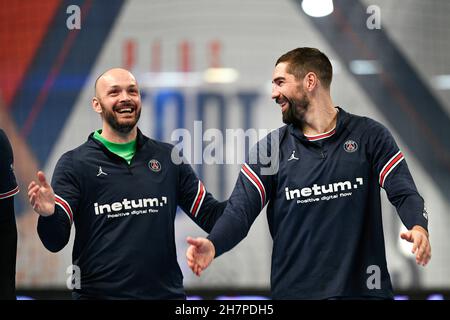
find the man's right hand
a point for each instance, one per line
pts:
(199, 254)
(41, 196)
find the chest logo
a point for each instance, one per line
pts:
(350, 146)
(292, 157)
(101, 172)
(154, 165)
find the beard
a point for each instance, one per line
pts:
(296, 111)
(120, 125)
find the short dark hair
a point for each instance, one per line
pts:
(300, 61)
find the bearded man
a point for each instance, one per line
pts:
(121, 190)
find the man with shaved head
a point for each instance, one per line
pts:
(122, 117)
(121, 189)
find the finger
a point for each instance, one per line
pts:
(195, 269)
(190, 264)
(422, 251)
(36, 207)
(42, 179)
(33, 190)
(194, 242)
(419, 258)
(419, 250)
(32, 200)
(415, 246)
(428, 257)
(427, 254)
(425, 259)
(190, 259)
(189, 254)
(406, 236)
(31, 185)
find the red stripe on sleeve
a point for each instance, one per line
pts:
(197, 201)
(258, 183)
(388, 167)
(66, 207)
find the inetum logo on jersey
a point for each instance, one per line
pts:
(148, 205)
(336, 190)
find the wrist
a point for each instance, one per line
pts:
(420, 229)
(212, 247)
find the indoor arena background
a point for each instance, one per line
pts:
(209, 64)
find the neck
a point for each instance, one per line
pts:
(321, 116)
(118, 137)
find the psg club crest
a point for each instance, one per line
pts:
(154, 165)
(350, 146)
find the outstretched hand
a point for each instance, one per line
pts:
(41, 196)
(421, 244)
(199, 254)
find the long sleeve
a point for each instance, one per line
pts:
(8, 230)
(54, 231)
(394, 176)
(250, 195)
(196, 201)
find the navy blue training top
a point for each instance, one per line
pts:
(124, 218)
(324, 208)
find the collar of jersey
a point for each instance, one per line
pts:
(141, 140)
(113, 146)
(327, 136)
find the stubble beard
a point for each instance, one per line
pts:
(295, 114)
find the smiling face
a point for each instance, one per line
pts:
(289, 94)
(117, 99)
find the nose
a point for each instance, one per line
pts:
(275, 92)
(124, 96)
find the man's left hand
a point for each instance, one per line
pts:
(421, 244)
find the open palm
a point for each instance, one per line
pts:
(41, 196)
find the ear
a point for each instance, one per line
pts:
(310, 81)
(96, 105)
